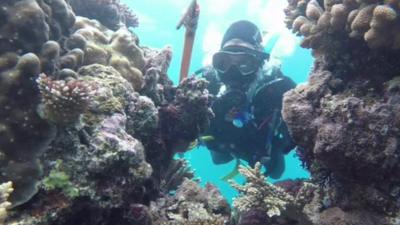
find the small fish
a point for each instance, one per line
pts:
(233, 173)
(200, 141)
(206, 138)
(193, 144)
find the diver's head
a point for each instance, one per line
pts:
(241, 55)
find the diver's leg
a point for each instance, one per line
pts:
(220, 158)
(276, 165)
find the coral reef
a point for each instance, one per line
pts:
(89, 141)
(354, 130)
(323, 23)
(345, 119)
(111, 13)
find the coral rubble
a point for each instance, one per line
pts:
(191, 205)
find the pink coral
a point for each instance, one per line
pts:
(63, 101)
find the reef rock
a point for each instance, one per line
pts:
(118, 49)
(191, 205)
(110, 13)
(323, 23)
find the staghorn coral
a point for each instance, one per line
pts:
(257, 193)
(118, 49)
(63, 101)
(323, 26)
(110, 13)
(345, 119)
(5, 190)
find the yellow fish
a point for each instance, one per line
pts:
(199, 141)
(233, 173)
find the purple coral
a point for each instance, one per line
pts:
(187, 116)
(291, 186)
(63, 101)
(254, 216)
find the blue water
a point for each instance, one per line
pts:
(158, 19)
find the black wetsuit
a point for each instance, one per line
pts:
(251, 142)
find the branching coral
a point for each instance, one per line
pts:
(375, 21)
(349, 140)
(111, 13)
(257, 193)
(64, 101)
(5, 191)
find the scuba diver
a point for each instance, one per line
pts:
(247, 124)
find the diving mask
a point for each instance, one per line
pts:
(246, 63)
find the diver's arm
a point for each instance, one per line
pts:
(284, 141)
